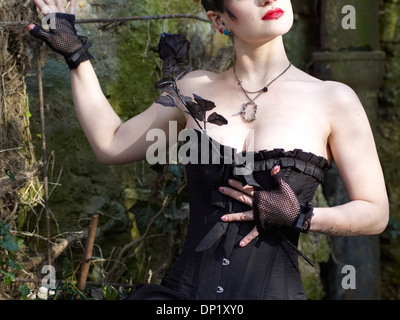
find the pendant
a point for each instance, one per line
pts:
(248, 112)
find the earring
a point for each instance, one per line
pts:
(225, 32)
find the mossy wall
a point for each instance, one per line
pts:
(388, 141)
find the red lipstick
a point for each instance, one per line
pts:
(273, 14)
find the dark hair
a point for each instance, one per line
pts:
(214, 5)
(217, 5)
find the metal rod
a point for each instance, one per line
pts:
(111, 20)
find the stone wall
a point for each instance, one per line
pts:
(388, 141)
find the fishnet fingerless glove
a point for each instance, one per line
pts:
(280, 207)
(64, 39)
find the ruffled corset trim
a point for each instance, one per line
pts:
(306, 162)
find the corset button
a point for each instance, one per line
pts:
(225, 262)
(220, 289)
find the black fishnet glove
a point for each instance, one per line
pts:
(280, 207)
(64, 39)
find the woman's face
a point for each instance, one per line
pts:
(259, 20)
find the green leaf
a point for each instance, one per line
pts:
(109, 292)
(13, 264)
(10, 175)
(177, 171)
(20, 243)
(23, 288)
(6, 240)
(4, 228)
(8, 243)
(8, 277)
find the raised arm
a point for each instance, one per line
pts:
(113, 141)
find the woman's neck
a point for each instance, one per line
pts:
(257, 65)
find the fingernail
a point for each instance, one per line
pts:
(242, 243)
(276, 169)
(221, 189)
(224, 218)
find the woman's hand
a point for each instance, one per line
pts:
(62, 36)
(243, 194)
(49, 6)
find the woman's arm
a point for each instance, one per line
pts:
(353, 149)
(113, 141)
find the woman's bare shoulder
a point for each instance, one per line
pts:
(195, 74)
(198, 80)
(341, 97)
(331, 93)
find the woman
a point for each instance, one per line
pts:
(244, 230)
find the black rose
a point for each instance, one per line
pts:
(173, 49)
(173, 46)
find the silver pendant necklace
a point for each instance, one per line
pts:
(249, 109)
